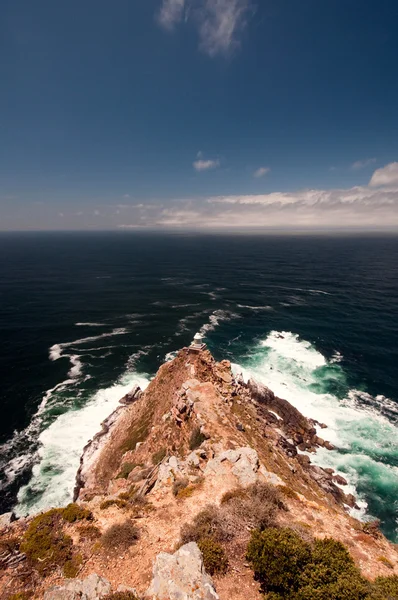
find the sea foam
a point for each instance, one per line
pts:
(61, 445)
(366, 441)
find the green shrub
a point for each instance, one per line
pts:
(45, 544)
(214, 557)
(118, 502)
(278, 557)
(72, 566)
(197, 438)
(74, 512)
(120, 536)
(120, 596)
(158, 456)
(89, 532)
(21, 596)
(125, 470)
(385, 588)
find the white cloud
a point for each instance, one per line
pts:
(387, 175)
(171, 13)
(361, 164)
(261, 172)
(205, 165)
(219, 22)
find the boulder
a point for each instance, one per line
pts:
(181, 576)
(132, 396)
(93, 587)
(6, 519)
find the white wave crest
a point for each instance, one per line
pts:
(61, 445)
(357, 425)
(215, 319)
(90, 325)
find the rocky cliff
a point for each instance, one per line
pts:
(187, 469)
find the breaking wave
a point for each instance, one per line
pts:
(361, 427)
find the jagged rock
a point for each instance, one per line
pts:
(288, 447)
(132, 396)
(181, 576)
(93, 587)
(6, 519)
(244, 465)
(193, 459)
(168, 472)
(293, 420)
(340, 480)
(303, 459)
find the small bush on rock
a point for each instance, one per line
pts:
(197, 438)
(208, 523)
(72, 566)
(120, 536)
(214, 558)
(89, 532)
(158, 456)
(278, 557)
(255, 506)
(385, 588)
(179, 485)
(74, 512)
(125, 470)
(45, 544)
(118, 502)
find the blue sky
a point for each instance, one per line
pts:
(198, 113)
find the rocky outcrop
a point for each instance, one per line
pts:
(93, 587)
(92, 450)
(181, 576)
(132, 396)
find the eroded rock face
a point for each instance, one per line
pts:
(93, 587)
(181, 576)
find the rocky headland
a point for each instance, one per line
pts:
(169, 492)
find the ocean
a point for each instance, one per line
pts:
(85, 316)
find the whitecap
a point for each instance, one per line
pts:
(365, 440)
(61, 445)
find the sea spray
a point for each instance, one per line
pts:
(61, 445)
(365, 440)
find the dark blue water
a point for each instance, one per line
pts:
(84, 316)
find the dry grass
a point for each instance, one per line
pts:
(120, 536)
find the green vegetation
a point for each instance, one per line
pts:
(72, 566)
(214, 558)
(197, 438)
(89, 532)
(45, 544)
(385, 588)
(118, 502)
(290, 568)
(278, 557)
(386, 562)
(21, 596)
(125, 470)
(120, 536)
(74, 512)
(158, 456)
